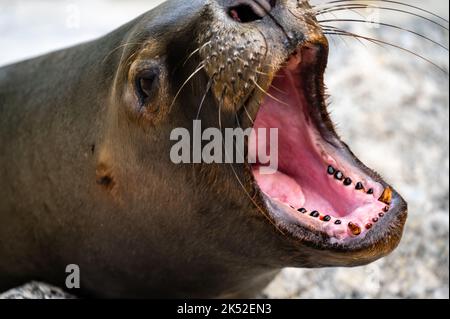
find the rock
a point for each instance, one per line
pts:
(36, 290)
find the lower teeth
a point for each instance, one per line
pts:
(355, 229)
(315, 214)
(386, 197)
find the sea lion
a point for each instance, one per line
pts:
(86, 177)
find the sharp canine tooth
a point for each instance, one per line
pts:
(355, 229)
(386, 197)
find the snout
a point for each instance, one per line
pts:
(247, 43)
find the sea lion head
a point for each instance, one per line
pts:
(249, 64)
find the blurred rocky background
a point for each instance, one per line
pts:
(391, 107)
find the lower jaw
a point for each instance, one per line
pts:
(307, 189)
(355, 223)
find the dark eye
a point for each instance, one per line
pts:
(147, 85)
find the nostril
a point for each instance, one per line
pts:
(250, 10)
(244, 13)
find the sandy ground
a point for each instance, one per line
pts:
(391, 107)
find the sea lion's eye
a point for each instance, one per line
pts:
(147, 85)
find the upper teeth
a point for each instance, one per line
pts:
(347, 180)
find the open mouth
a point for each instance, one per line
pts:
(318, 184)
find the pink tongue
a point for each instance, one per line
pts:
(280, 186)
